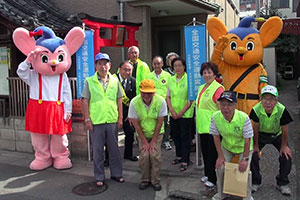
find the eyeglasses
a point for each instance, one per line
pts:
(126, 70)
(270, 100)
(223, 104)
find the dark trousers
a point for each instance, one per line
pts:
(182, 137)
(101, 134)
(284, 164)
(210, 156)
(129, 139)
(166, 136)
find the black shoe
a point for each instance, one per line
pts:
(143, 185)
(132, 158)
(156, 186)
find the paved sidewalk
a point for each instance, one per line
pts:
(184, 185)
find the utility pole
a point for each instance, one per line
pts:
(257, 8)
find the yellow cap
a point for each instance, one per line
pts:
(147, 86)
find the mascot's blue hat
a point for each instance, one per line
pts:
(48, 39)
(244, 28)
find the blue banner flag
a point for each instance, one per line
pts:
(195, 50)
(85, 61)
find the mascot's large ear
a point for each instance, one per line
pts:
(216, 28)
(23, 41)
(270, 30)
(74, 39)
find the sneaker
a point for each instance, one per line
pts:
(209, 184)
(204, 179)
(156, 186)
(284, 189)
(143, 185)
(222, 197)
(167, 145)
(254, 188)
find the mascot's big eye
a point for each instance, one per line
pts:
(60, 58)
(250, 46)
(233, 45)
(44, 59)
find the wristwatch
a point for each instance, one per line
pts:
(87, 120)
(245, 158)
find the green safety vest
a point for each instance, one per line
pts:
(232, 132)
(103, 104)
(162, 83)
(179, 95)
(142, 71)
(269, 124)
(125, 99)
(148, 119)
(206, 107)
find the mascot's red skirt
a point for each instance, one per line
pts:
(46, 118)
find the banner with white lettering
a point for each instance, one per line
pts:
(85, 61)
(195, 49)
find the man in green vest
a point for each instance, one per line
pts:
(102, 110)
(270, 124)
(147, 112)
(140, 69)
(235, 128)
(161, 80)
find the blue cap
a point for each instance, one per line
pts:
(48, 39)
(102, 56)
(228, 95)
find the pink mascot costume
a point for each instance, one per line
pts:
(50, 104)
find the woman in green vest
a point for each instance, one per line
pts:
(181, 111)
(206, 102)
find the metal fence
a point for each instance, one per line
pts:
(19, 95)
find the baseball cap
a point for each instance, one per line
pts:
(228, 95)
(102, 56)
(269, 89)
(147, 86)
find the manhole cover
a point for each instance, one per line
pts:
(90, 188)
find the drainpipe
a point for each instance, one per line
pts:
(122, 19)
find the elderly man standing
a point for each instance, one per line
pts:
(140, 69)
(235, 128)
(161, 80)
(129, 87)
(102, 110)
(147, 112)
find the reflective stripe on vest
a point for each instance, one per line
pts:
(125, 99)
(269, 124)
(206, 106)
(162, 83)
(103, 104)
(179, 95)
(148, 119)
(232, 132)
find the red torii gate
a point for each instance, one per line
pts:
(118, 32)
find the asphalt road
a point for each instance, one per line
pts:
(20, 183)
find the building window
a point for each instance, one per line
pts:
(276, 4)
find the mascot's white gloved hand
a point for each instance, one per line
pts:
(67, 117)
(32, 55)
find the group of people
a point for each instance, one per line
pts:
(148, 102)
